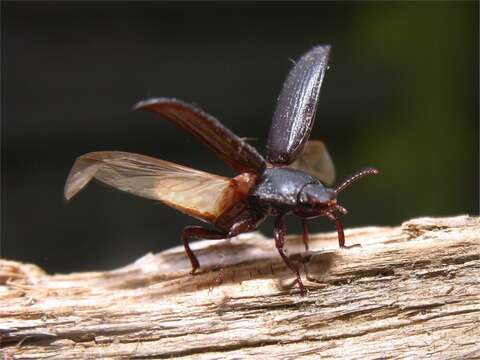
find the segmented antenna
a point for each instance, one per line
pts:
(352, 178)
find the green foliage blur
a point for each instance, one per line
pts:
(426, 143)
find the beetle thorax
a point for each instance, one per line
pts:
(279, 188)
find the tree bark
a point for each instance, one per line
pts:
(411, 291)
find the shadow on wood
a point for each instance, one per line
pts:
(409, 292)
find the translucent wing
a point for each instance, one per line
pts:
(295, 112)
(234, 151)
(196, 193)
(316, 161)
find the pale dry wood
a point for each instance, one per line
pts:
(410, 292)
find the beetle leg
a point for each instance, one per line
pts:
(279, 234)
(198, 232)
(250, 223)
(242, 226)
(305, 233)
(339, 226)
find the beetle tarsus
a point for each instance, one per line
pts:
(351, 246)
(299, 282)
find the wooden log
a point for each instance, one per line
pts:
(411, 291)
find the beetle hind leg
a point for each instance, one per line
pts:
(199, 233)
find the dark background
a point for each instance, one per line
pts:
(401, 94)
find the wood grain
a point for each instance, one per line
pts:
(411, 291)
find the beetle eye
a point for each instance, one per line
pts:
(314, 196)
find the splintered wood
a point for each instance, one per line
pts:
(409, 292)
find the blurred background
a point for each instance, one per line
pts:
(401, 94)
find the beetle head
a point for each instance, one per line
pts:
(316, 197)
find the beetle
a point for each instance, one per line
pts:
(293, 178)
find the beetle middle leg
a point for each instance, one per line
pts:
(201, 233)
(279, 235)
(305, 236)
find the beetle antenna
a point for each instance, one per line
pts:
(353, 178)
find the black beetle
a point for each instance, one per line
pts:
(291, 179)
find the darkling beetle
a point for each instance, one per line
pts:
(291, 179)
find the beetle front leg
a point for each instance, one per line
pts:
(279, 235)
(199, 233)
(341, 235)
(339, 226)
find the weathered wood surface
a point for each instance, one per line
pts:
(410, 292)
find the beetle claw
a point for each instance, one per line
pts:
(298, 281)
(351, 246)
